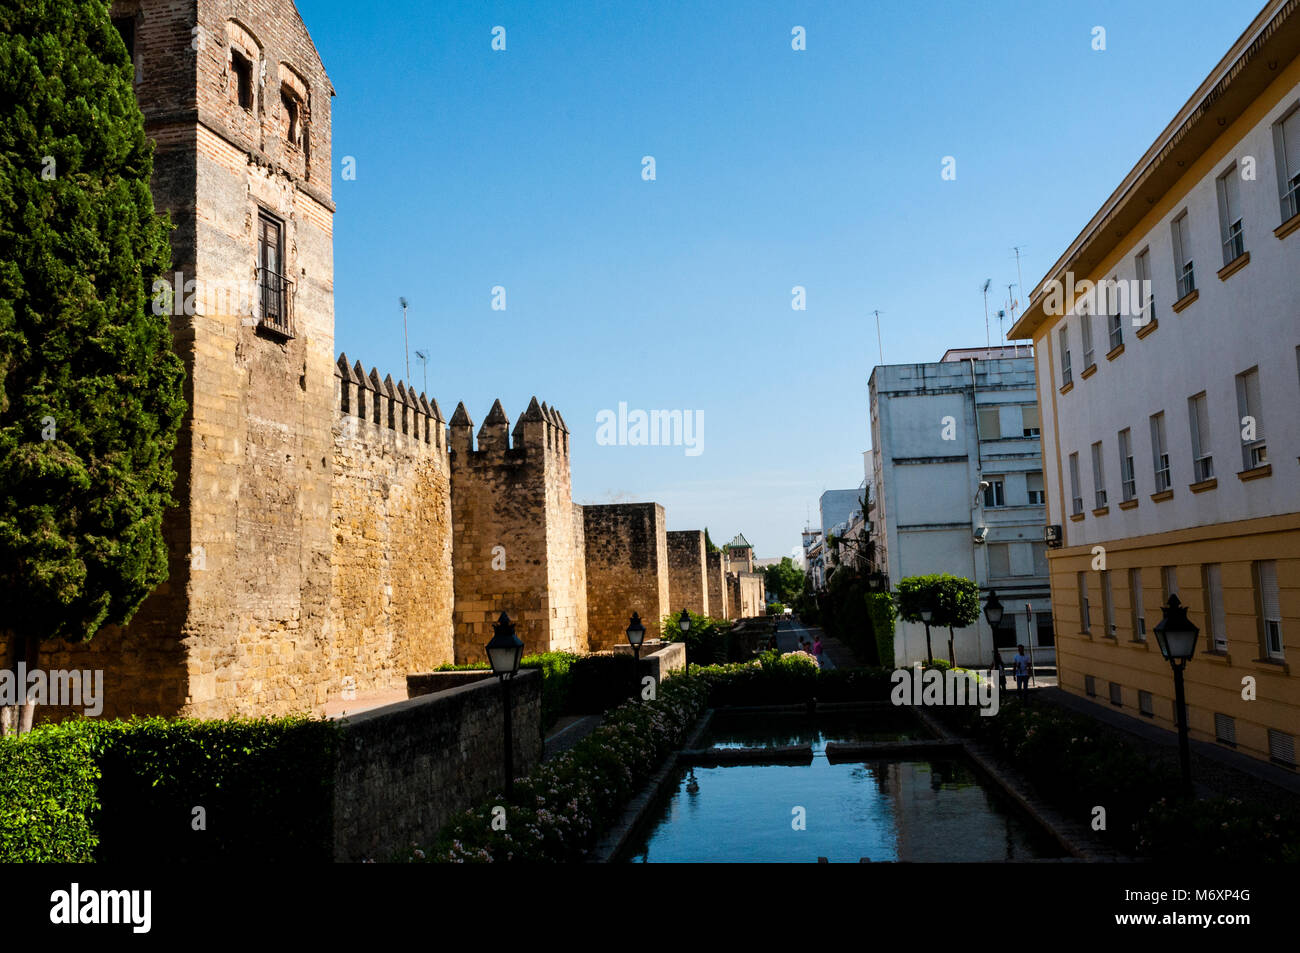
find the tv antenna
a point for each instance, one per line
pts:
(406, 346)
(423, 358)
(879, 345)
(987, 342)
(1020, 279)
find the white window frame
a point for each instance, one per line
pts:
(1254, 453)
(1160, 453)
(1127, 473)
(1036, 497)
(1098, 475)
(1184, 269)
(1067, 375)
(1136, 605)
(1288, 172)
(1076, 495)
(1268, 604)
(1216, 621)
(1198, 422)
(1228, 187)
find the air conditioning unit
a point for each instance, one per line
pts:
(981, 533)
(1052, 536)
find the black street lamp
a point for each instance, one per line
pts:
(504, 652)
(684, 623)
(1177, 638)
(926, 615)
(635, 636)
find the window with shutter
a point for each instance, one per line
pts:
(1215, 618)
(1138, 617)
(1270, 608)
(1230, 227)
(1286, 141)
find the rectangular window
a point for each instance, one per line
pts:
(1039, 552)
(1144, 704)
(999, 560)
(1254, 449)
(1046, 634)
(291, 103)
(1168, 583)
(1085, 622)
(1143, 264)
(1230, 233)
(1215, 620)
(994, 494)
(990, 423)
(1085, 324)
(1116, 323)
(241, 69)
(1090, 686)
(1076, 496)
(1137, 618)
(1269, 606)
(1160, 452)
(1108, 606)
(1286, 145)
(1281, 747)
(1127, 479)
(273, 286)
(1098, 475)
(1029, 420)
(1116, 694)
(1066, 377)
(1034, 487)
(1225, 729)
(1183, 270)
(1198, 417)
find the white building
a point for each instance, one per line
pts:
(959, 489)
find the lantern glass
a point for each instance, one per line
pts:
(505, 650)
(993, 609)
(635, 631)
(927, 614)
(685, 621)
(1175, 633)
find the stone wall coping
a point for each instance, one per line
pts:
(419, 701)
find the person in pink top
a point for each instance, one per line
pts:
(817, 650)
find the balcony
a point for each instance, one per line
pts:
(275, 303)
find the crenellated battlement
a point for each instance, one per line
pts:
(539, 432)
(387, 405)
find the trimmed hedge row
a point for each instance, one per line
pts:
(49, 783)
(124, 790)
(561, 810)
(787, 680)
(557, 680)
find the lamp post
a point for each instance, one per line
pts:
(635, 636)
(684, 623)
(1177, 638)
(926, 615)
(993, 613)
(504, 652)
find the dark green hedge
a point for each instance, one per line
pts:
(48, 796)
(784, 680)
(127, 790)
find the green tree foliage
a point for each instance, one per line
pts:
(90, 392)
(954, 601)
(784, 579)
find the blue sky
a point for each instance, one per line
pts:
(774, 168)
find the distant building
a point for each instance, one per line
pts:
(958, 488)
(1172, 422)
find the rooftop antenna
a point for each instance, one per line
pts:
(423, 358)
(405, 343)
(1020, 279)
(987, 342)
(1011, 300)
(1001, 314)
(879, 344)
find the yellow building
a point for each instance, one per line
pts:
(1167, 344)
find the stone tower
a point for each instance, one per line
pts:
(518, 535)
(236, 98)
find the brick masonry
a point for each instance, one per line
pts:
(688, 583)
(627, 570)
(717, 579)
(403, 770)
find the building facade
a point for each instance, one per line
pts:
(1171, 396)
(958, 488)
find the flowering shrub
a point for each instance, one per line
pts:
(788, 679)
(1220, 829)
(560, 810)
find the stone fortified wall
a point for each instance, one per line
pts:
(513, 519)
(717, 579)
(688, 583)
(627, 570)
(390, 564)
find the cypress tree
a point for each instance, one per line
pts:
(90, 390)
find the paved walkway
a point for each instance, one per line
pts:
(1216, 769)
(567, 732)
(835, 654)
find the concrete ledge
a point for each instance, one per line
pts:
(840, 752)
(427, 683)
(784, 754)
(663, 658)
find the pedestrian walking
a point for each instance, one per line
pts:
(1000, 668)
(817, 650)
(1021, 663)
